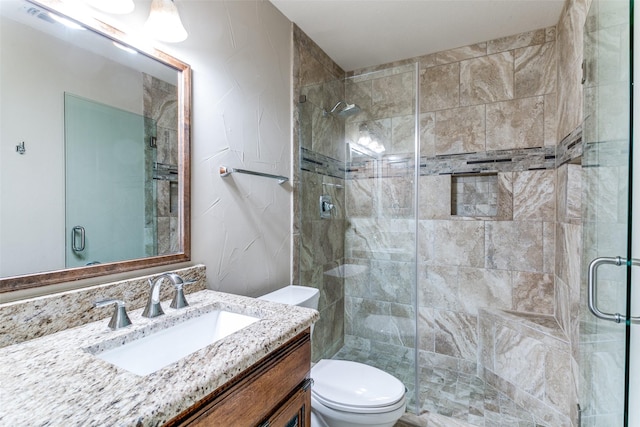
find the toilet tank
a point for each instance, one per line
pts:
(303, 296)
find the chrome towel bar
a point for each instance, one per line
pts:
(225, 171)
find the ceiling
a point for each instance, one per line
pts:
(362, 33)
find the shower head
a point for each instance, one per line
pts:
(342, 109)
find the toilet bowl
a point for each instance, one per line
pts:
(350, 394)
(345, 393)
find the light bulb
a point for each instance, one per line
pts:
(164, 22)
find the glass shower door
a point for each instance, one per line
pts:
(607, 258)
(105, 183)
(358, 149)
(381, 229)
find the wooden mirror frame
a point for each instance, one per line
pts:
(28, 281)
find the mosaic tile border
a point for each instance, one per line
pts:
(570, 148)
(517, 160)
(311, 161)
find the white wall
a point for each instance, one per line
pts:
(33, 82)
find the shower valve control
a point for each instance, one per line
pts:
(326, 207)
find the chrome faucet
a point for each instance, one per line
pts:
(153, 308)
(179, 301)
(119, 318)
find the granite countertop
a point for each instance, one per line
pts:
(54, 380)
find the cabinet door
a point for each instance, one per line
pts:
(295, 412)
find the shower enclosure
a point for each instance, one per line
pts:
(447, 211)
(400, 258)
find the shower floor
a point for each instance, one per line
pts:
(461, 398)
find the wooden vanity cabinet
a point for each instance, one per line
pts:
(274, 392)
(295, 412)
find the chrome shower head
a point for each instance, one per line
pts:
(345, 111)
(349, 110)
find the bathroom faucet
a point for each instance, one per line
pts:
(153, 308)
(119, 318)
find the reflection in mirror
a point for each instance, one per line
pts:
(94, 171)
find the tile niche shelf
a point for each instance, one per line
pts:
(474, 195)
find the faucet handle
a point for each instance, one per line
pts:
(153, 307)
(120, 319)
(179, 301)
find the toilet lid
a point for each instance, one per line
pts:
(342, 384)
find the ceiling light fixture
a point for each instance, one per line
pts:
(119, 7)
(164, 22)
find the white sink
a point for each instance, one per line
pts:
(151, 353)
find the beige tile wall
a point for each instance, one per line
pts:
(494, 95)
(497, 95)
(318, 244)
(570, 55)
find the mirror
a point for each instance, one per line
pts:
(94, 167)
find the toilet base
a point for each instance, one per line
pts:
(316, 420)
(323, 416)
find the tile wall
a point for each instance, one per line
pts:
(318, 169)
(499, 107)
(160, 104)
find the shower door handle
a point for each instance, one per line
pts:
(77, 238)
(592, 283)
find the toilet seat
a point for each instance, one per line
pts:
(355, 387)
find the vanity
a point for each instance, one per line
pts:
(256, 376)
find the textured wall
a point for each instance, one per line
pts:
(241, 226)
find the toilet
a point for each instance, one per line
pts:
(345, 393)
(302, 296)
